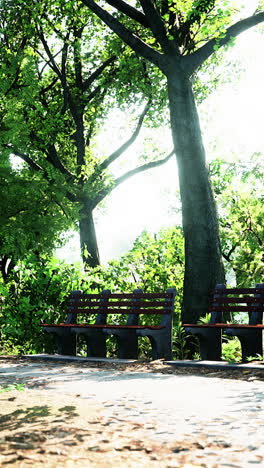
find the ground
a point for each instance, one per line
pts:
(57, 429)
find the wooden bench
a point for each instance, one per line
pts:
(106, 305)
(227, 301)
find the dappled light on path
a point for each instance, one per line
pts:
(146, 415)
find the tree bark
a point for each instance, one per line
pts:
(88, 240)
(6, 266)
(203, 259)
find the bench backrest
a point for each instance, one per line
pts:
(131, 304)
(228, 300)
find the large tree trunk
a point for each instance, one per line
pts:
(203, 259)
(88, 240)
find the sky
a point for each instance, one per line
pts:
(232, 125)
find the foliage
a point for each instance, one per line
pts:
(31, 217)
(205, 319)
(231, 350)
(37, 292)
(10, 388)
(239, 190)
(258, 357)
(155, 261)
(181, 342)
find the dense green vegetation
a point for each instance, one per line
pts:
(61, 71)
(239, 192)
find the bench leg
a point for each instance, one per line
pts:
(95, 342)
(128, 347)
(161, 343)
(96, 347)
(66, 341)
(210, 342)
(250, 340)
(127, 342)
(66, 344)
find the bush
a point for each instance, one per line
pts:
(231, 350)
(36, 293)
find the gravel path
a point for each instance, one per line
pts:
(202, 420)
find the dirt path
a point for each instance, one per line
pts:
(49, 425)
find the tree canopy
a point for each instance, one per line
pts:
(67, 76)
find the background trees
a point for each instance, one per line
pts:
(239, 192)
(68, 76)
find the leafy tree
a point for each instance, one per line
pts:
(155, 263)
(239, 191)
(177, 37)
(66, 79)
(31, 217)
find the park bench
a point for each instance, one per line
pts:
(226, 301)
(125, 311)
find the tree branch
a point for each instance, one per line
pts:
(87, 83)
(195, 60)
(27, 159)
(50, 86)
(115, 155)
(227, 256)
(199, 8)
(129, 11)
(53, 64)
(52, 157)
(38, 168)
(47, 62)
(157, 27)
(64, 54)
(133, 41)
(145, 167)
(18, 70)
(77, 58)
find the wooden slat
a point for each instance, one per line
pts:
(226, 308)
(84, 325)
(130, 304)
(127, 296)
(239, 291)
(111, 310)
(234, 300)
